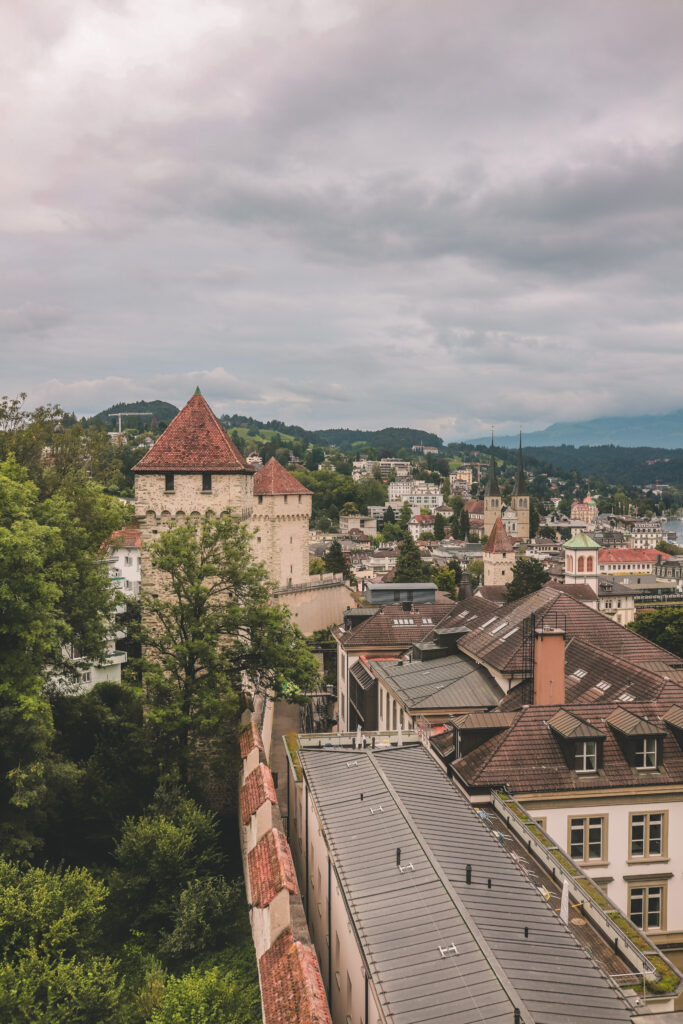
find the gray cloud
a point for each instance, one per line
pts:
(344, 213)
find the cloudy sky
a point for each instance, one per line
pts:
(433, 213)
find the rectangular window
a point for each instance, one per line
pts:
(586, 838)
(127, 560)
(646, 905)
(169, 481)
(206, 481)
(586, 756)
(648, 834)
(646, 752)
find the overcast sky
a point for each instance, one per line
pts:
(432, 213)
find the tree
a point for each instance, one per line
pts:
(404, 516)
(334, 559)
(464, 523)
(409, 566)
(439, 526)
(316, 566)
(211, 626)
(55, 595)
(208, 997)
(528, 575)
(349, 509)
(389, 515)
(547, 532)
(668, 548)
(663, 627)
(446, 581)
(476, 570)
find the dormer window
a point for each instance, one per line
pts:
(586, 756)
(646, 752)
(206, 481)
(169, 481)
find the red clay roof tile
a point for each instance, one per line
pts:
(256, 789)
(275, 479)
(270, 868)
(622, 556)
(250, 738)
(499, 542)
(291, 985)
(193, 442)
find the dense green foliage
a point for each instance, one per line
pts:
(663, 627)
(528, 575)
(409, 565)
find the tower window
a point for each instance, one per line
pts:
(260, 499)
(169, 481)
(206, 481)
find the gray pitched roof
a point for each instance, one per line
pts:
(404, 920)
(450, 682)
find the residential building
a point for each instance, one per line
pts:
(477, 516)
(383, 559)
(646, 533)
(362, 468)
(620, 561)
(366, 524)
(422, 910)
(420, 524)
(399, 467)
(585, 511)
(425, 449)
(411, 490)
(124, 557)
(387, 632)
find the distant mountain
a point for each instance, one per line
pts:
(659, 431)
(163, 412)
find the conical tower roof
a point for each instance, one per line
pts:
(499, 542)
(520, 488)
(193, 442)
(492, 489)
(275, 479)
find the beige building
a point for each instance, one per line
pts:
(499, 557)
(282, 510)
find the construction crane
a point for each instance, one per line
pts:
(120, 414)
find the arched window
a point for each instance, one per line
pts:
(581, 561)
(570, 563)
(589, 564)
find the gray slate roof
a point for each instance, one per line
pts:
(405, 920)
(450, 682)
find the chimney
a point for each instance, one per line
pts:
(549, 665)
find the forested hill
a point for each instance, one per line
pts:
(388, 439)
(663, 430)
(614, 465)
(163, 412)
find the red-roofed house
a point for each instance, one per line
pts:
(622, 561)
(499, 557)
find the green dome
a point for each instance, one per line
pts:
(581, 542)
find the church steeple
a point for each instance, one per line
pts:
(492, 489)
(520, 488)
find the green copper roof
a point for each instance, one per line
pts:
(581, 542)
(197, 391)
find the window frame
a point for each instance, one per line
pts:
(647, 855)
(207, 477)
(581, 755)
(587, 821)
(169, 482)
(647, 888)
(641, 749)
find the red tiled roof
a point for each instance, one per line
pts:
(250, 738)
(193, 442)
(257, 788)
(390, 626)
(270, 868)
(291, 985)
(474, 507)
(627, 555)
(128, 537)
(528, 757)
(275, 479)
(498, 543)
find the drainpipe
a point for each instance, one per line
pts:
(306, 799)
(329, 933)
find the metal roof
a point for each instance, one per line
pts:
(450, 682)
(437, 948)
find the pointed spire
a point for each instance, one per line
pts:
(492, 489)
(197, 391)
(520, 488)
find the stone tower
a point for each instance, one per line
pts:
(282, 509)
(520, 500)
(499, 557)
(192, 469)
(581, 561)
(492, 499)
